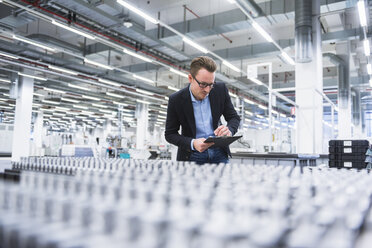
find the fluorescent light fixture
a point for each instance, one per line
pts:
(262, 106)
(141, 101)
(99, 105)
(59, 114)
(78, 87)
(162, 117)
(54, 90)
(76, 31)
(282, 115)
(5, 107)
(362, 13)
(260, 116)
(367, 50)
(114, 95)
(256, 81)
(231, 66)
(173, 88)
(109, 82)
(34, 43)
(179, 72)
(79, 106)
(98, 64)
(105, 111)
(162, 112)
(248, 113)
(36, 94)
(90, 98)
(62, 70)
(69, 100)
(262, 32)
(249, 101)
(5, 80)
(288, 58)
(9, 55)
(31, 76)
(195, 45)
(143, 78)
(144, 92)
(231, 1)
(36, 104)
(369, 69)
(166, 98)
(134, 54)
(233, 95)
(138, 12)
(274, 112)
(127, 115)
(163, 106)
(52, 102)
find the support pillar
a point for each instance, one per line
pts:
(357, 121)
(142, 110)
(309, 77)
(38, 133)
(22, 118)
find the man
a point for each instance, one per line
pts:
(197, 109)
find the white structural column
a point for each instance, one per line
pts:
(357, 115)
(22, 119)
(38, 133)
(344, 93)
(142, 110)
(309, 77)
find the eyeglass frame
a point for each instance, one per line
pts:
(204, 85)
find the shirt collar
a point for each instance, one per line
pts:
(193, 99)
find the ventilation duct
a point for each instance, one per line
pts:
(251, 7)
(303, 31)
(343, 79)
(356, 107)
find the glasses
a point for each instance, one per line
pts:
(204, 85)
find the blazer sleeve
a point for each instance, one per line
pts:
(172, 126)
(230, 114)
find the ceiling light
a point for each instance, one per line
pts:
(5, 80)
(367, 50)
(144, 92)
(231, 1)
(5, 107)
(52, 102)
(362, 13)
(109, 82)
(31, 76)
(141, 101)
(262, 31)
(179, 72)
(162, 112)
(34, 43)
(36, 94)
(143, 78)
(138, 12)
(249, 101)
(8, 55)
(78, 87)
(69, 100)
(105, 111)
(262, 106)
(137, 55)
(260, 116)
(248, 113)
(62, 70)
(163, 106)
(231, 66)
(114, 95)
(76, 31)
(98, 64)
(282, 115)
(79, 106)
(62, 108)
(54, 90)
(256, 81)
(99, 105)
(233, 95)
(173, 88)
(369, 69)
(288, 58)
(195, 45)
(90, 98)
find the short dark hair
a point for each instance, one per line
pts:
(202, 62)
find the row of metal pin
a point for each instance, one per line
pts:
(170, 204)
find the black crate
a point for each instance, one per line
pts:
(347, 164)
(348, 143)
(347, 150)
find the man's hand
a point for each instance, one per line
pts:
(200, 146)
(222, 131)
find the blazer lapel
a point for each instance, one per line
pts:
(188, 110)
(214, 110)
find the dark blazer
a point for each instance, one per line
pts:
(181, 113)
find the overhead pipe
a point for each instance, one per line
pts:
(303, 31)
(343, 79)
(251, 7)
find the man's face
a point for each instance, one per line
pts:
(203, 76)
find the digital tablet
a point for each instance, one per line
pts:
(222, 140)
